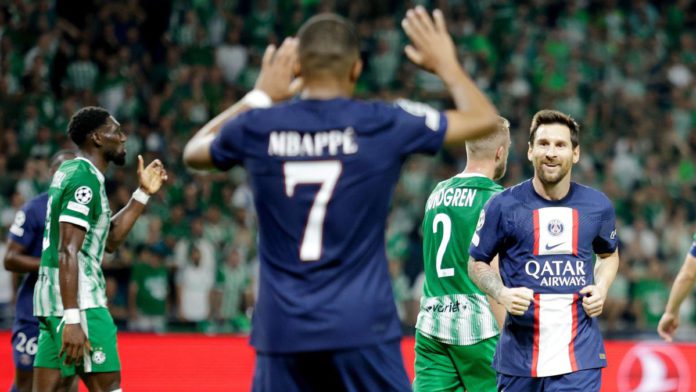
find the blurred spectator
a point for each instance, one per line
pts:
(148, 291)
(233, 289)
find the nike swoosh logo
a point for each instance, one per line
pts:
(549, 247)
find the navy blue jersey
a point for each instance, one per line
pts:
(549, 247)
(28, 230)
(322, 173)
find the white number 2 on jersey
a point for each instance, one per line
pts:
(325, 173)
(446, 234)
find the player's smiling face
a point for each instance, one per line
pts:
(552, 153)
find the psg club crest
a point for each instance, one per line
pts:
(555, 227)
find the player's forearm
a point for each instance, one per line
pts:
(680, 289)
(122, 223)
(68, 275)
(197, 150)
(485, 278)
(605, 271)
(17, 262)
(477, 112)
(683, 284)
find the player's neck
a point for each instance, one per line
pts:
(552, 192)
(477, 167)
(327, 88)
(97, 160)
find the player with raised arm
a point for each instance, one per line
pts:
(546, 232)
(456, 331)
(323, 169)
(23, 255)
(683, 284)
(77, 334)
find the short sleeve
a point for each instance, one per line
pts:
(692, 251)
(81, 196)
(227, 147)
(490, 232)
(24, 229)
(420, 128)
(606, 240)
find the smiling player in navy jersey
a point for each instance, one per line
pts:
(24, 256)
(546, 232)
(323, 169)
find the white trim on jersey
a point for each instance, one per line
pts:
(555, 328)
(73, 220)
(87, 356)
(100, 176)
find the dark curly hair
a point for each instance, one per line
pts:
(86, 121)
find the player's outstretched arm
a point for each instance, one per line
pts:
(683, 284)
(432, 49)
(594, 295)
(151, 178)
(16, 259)
(74, 339)
(516, 300)
(276, 82)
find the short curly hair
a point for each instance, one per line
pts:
(86, 121)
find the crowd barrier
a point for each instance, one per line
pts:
(186, 362)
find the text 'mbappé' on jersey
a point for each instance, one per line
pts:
(323, 173)
(549, 247)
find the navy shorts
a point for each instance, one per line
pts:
(588, 380)
(25, 340)
(373, 368)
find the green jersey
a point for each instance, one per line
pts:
(76, 196)
(452, 309)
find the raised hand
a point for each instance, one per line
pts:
(277, 76)
(431, 45)
(151, 177)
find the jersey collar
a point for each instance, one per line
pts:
(99, 173)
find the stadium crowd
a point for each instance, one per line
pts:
(626, 70)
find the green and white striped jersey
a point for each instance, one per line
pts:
(452, 309)
(76, 196)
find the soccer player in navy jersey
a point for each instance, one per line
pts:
(546, 232)
(323, 169)
(24, 256)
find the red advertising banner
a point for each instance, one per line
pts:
(225, 363)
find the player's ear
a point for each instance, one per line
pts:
(96, 138)
(576, 154)
(296, 69)
(356, 70)
(529, 151)
(500, 153)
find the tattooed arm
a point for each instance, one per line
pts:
(516, 300)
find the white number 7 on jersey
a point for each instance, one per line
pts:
(325, 173)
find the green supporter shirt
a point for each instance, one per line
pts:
(153, 288)
(452, 309)
(76, 196)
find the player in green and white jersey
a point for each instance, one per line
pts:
(456, 330)
(76, 331)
